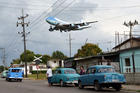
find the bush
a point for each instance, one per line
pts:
(42, 71)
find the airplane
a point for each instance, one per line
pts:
(60, 25)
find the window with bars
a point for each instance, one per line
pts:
(127, 62)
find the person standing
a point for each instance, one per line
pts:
(49, 75)
(82, 71)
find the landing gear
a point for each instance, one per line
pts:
(51, 29)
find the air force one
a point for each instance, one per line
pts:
(59, 25)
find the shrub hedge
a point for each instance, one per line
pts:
(35, 72)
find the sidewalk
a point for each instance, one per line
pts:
(131, 87)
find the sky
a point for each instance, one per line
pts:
(111, 15)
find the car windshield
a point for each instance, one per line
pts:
(16, 70)
(106, 70)
(69, 72)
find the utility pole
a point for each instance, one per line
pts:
(22, 23)
(4, 63)
(70, 44)
(131, 24)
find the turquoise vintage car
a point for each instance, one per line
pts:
(4, 74)
(101, 76)
(65, 76)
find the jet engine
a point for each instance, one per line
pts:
(72, 25)
(50, 29)
(85, 24)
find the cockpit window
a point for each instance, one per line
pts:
(16, 70)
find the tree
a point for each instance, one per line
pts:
(88, 49)
(29, 56)
(16, 61)
(1, 68)
(58, 55)
(45, 58)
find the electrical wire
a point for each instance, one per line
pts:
(64, 8)
(37, 21)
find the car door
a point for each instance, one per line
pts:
(85, 77)
(58, 76)
(54, 77)
(91, 76)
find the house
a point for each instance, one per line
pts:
(129, 43)
(129, 57)
(130, 64)
(129, 60)
(68, 63)
(104, 59)
(55, 63)
(31, 67)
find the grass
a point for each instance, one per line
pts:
(138, 91)
(40, 76)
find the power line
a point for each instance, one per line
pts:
(35, 22)
(64, 8)
(45, 11)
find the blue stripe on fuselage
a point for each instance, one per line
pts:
(52, 21)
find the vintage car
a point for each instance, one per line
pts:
(65, 76)
(4, 74)
(101, 76)
(15, 74)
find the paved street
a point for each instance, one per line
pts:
(40, 86)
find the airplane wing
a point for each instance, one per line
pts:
(80, 24)
(85, 23)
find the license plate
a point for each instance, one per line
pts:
(115, 80)
(75, 81)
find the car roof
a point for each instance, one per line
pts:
(16, 68)
(65, 69)
(100, 66)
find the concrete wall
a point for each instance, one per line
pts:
(132, 78)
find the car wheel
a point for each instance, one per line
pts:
(97, 86)
(117, 87)
(75, 84)
(80, 85)
(62, 84)
(6, 79)
(9, 80)
(19, 80)
(51, 84)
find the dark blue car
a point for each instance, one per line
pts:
(101, 76)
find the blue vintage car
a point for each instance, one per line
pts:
(101, 76)
(15, 74)
(65, 76)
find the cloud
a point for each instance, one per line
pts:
(110, 13)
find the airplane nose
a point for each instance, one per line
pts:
(46, 19)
